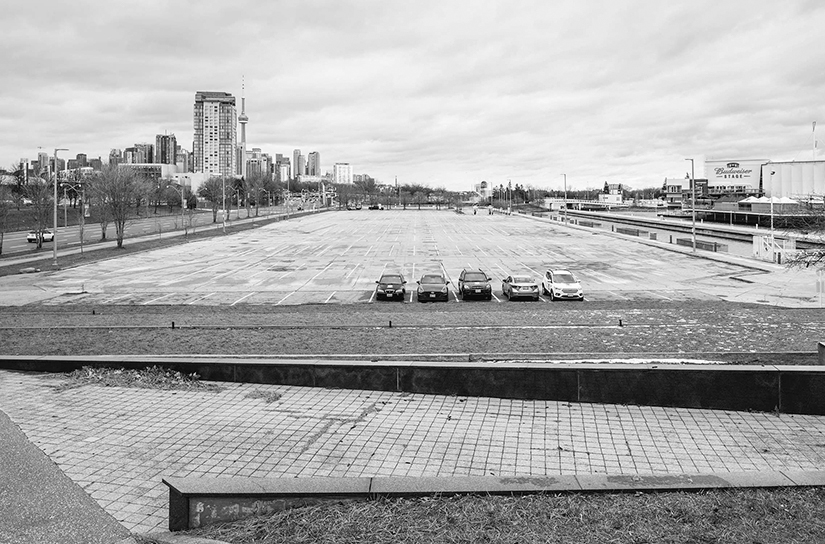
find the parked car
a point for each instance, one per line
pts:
(520, 286)
(561, 284)
(46, 235)
(433, 287)
(391, 286)
(474, 283)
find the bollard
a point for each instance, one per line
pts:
(390, 323)
(620, 323)
(173, 324)
(93, 312)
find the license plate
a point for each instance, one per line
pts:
(432, 295)
(478, 290)
(389, 293)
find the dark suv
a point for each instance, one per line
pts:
(474, 283)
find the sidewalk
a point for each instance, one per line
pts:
(117, 444)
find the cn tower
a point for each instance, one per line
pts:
(243, 120)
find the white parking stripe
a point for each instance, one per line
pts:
(157, 299)
(200, 298)
(329, 297)
(242, 298)
(283, 299)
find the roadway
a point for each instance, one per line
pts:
(68, 237)
(335, 258)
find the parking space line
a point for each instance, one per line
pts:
(283, 299)
(242, 298)
(200, 298)
(354, 268)
(494, 296)
(329, 297)
(157, 299)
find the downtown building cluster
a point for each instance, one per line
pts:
(219, 149)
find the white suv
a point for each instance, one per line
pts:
(561, 284)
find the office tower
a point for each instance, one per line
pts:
(183, 158)
(342, 172)
(43, 161)
(115, 157)
(314, 164)
(295, 171)
(166, 146)
(82, 160)
(301, 167)
(215, 122)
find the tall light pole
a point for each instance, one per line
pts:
(565, 198)
(56, 173)
(693, 204)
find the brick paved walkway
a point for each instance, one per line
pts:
(118, 443)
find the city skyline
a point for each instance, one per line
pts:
(445, 95)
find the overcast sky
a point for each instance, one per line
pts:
(442, 93)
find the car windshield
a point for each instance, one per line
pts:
(432, 278)
(565, 277)
(474, 276)
(522, 279)
(391, 278)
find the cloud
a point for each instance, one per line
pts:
(443, 93)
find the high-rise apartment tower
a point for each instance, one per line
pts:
(215, 133)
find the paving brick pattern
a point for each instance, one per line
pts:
(118, 443)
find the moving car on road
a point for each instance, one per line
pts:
(433, 287)
(391, 286)
(561, 285)
(520, 286)
(46, 235)
(474, 283)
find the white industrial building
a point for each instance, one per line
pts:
(800, 180)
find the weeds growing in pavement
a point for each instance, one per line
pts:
(146, 378)
(268, 396)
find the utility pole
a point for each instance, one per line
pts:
(693, 205)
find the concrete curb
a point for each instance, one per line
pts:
(197, 502)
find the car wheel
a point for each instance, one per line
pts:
(490, 296)
(550, 294)
(581, 299)
(536, 299)
(543, 290)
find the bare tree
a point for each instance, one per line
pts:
(254, 188)
(39, 191)
(116, 190)
(5, 208)
(213, 191)
(809, 220)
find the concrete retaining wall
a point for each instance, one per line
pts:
(791, 389)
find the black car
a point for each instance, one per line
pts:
(432, 288)
(474, 283)
(390, 287)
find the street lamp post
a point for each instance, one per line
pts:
(693, 204)
(180, 188)
(82, 223)
(223, 193)
(56, 175)
(565, 198)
